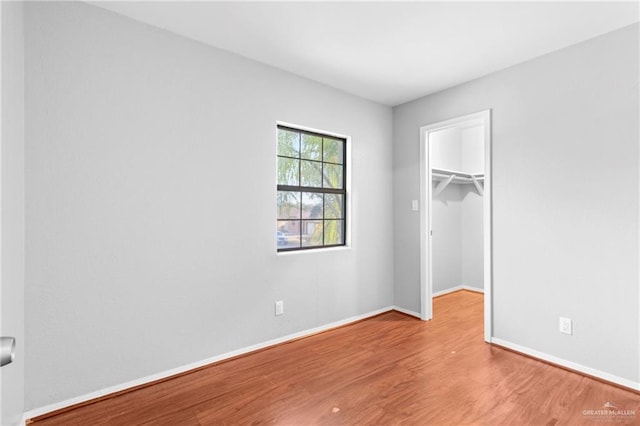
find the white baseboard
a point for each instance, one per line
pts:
(457, 288)
(567, 364)
(406, 311)
(168, 373)
(475, 289)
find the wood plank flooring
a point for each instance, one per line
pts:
(387, 370)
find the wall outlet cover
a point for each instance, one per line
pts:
(565, 326)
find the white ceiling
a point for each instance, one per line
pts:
(389, 52)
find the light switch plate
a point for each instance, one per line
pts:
(279, 307)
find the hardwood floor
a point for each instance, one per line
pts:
(390, 369)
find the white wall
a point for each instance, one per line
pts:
(446, 242)
(471, 209)
(472, 149)
(445, 149)
(456, 212)
(150, 203)
(446, 220)
(471, 235)
(12, 226)
(565, 199)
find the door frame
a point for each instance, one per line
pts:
(426, 188)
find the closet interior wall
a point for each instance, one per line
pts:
(456, 212)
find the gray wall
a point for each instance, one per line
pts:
(565, 201)
(12, 226)
(150, 190)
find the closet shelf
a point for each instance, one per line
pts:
(453, 176)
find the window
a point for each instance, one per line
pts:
(311, 190)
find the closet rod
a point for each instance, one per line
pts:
(451, 176)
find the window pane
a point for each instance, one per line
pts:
(288, 234)
(311, 191)
(311, 148)
(333, 232)
(288, 171)
(288, 205)
(311, 205)
(332, 176)
(311, 174)
(288, 143)
(333, 150)
(333, 206)
(311, 233)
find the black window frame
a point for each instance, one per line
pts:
(319, 190)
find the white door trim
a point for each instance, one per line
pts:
(426, 289)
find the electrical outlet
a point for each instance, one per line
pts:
(414, 205)
(565, 326)
(279, 307)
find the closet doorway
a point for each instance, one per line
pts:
(455, 222)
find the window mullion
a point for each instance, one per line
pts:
(322, 183)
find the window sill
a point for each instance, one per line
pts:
(318, 250)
